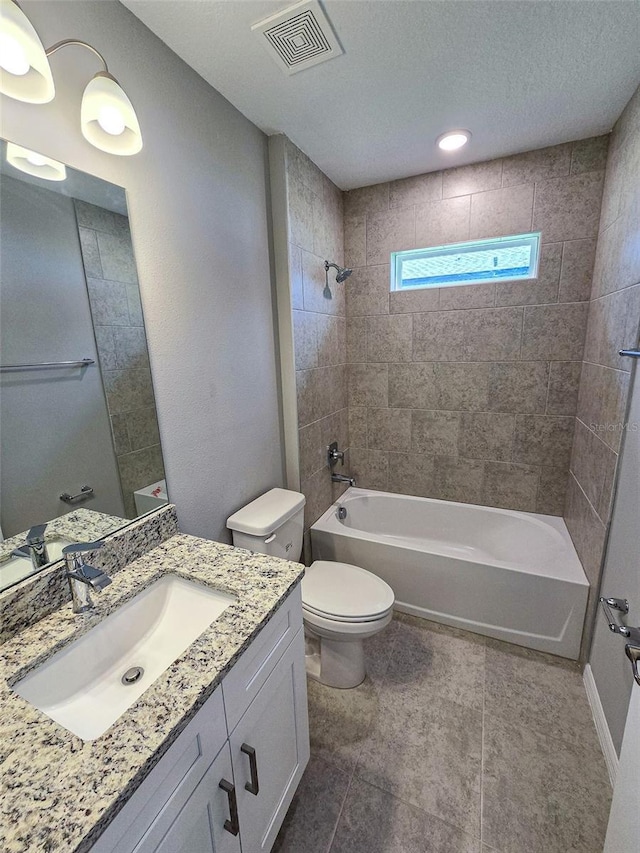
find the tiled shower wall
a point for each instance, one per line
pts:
(315, 234)
(114, 298)
(614, 316)
(470, 393)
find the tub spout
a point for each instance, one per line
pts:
(340, 478)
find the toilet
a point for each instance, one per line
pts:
(342, 605)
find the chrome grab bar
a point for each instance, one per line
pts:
(84, 492)
(83, 362)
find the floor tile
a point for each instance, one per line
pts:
(445, 662)
(339, 721)
(542, 692)
(374, 821)
(427, 751)
(542, 795)
(312, 817)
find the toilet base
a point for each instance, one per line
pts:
(334, 663)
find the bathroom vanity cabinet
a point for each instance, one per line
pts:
(226, 782)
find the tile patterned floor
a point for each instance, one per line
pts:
(453, 744)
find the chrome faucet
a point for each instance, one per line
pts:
(83, 577)
(340, 478)
(35, 547)
(333, 454)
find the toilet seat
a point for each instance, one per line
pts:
(343, 593)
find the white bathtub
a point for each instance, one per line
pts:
(510, 575)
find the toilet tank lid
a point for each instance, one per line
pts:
(265, 514)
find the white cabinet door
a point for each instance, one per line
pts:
(205, 820)
(276, 728)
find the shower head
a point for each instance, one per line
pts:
(342, 273)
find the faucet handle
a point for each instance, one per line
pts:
(81, 547)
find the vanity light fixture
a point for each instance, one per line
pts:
(107, 118)
(35, 164)
(453, 139)
(24, 68)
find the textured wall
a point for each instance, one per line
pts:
(197, 203)
(315, 234)
(469, 393)
(114, 297)
(614, 317)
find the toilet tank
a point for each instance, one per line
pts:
(271, 524)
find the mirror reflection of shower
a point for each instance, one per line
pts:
(342, 273)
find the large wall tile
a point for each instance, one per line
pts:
(332, 339)
(370, 468)
(492, 334)
(602, 401)
(442, 222)
(295, 276)
(462, 386)
(518, 387)
(415, 190)
(438, 336)
(411, 474)
(305, 336)
(389, 231)
(613, 325)
(311, 458)
(554, 332)
(142, 428)
(499, 213)
(552, 490)
(131, 347)
(435, 433)
(475, 178)
(317, 490)
(300, 206)
(486, 435)
(587, 531)
(366, 200)
(540, 290)
(457, 479)
(389, 429)
(467, 296)
(568, 208)
(414, 301)
(90, 253)
(510, 485)
(592, 464)
(368, 385)
(109, 302)
(389, 337)
(367, 291)
(128, 389)
(590, 155)
(355, 241)
(578, 257)
(356, 339)
(543, 440)
(357, 426)
(116, 257)
(564, 384)
(413, 386)
(554, 162)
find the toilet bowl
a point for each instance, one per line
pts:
(342, 605)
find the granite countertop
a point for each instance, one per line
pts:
(81, 525)
(60, 792)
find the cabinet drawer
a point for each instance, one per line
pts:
(158, 800)
(251, 671)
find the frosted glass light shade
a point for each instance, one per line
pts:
(107, 117)
(24, 68)
(35, 164)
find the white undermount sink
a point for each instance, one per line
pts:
(82, 686)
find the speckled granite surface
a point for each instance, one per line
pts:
(60, 792)
(40, 594)
(82, 525)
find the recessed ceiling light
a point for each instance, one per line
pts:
(453, 139)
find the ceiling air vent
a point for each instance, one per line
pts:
(298, 37)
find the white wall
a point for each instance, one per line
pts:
(198, 213)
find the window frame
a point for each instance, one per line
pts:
(533, 238)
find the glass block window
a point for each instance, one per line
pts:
(477, 262)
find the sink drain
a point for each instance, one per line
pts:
(132, 675)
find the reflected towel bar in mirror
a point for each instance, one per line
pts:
(83, 362)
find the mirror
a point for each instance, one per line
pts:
(79, 442)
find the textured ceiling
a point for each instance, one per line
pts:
(519, 75)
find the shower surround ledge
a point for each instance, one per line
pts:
(62, 792)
